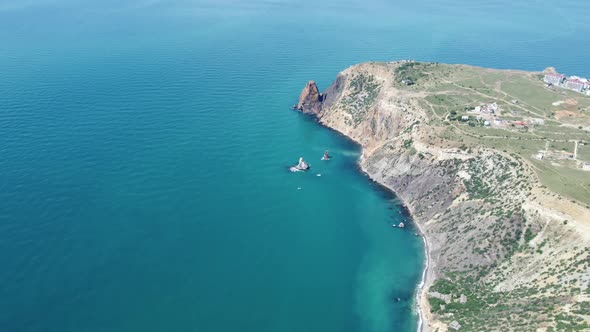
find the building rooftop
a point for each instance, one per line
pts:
(575, 80)
(555, 75)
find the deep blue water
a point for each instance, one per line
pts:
(143, 154)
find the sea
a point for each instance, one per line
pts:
(145, 146)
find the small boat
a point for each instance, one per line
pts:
(326, 156)
(401, 225)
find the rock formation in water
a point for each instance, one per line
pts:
(301, 166)
(505, 252)
(310, 99)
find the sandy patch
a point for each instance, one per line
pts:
(563, 209)
(557, 103)
(565, 114)
(572, 117)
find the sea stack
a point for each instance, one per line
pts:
(310, 99)
(301, 166)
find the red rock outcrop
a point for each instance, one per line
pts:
(310, 100)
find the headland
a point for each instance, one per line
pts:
(494, 167)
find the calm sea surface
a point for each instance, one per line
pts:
(144, 146)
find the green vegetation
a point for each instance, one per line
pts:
(568, 181)
(584, 151)
(413, 71)
(469, 294)
(532, 92)
(364, 89)
(528, 235)
(483, 310)
(486, 135)
(444, 286)
(407, 143)
(454, 91)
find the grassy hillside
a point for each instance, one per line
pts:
(556, 119)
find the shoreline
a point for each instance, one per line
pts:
(449, 186)
(426, 271)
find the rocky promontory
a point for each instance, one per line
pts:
(508, 249)
(310, 99)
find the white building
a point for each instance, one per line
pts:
(465, 118)
(554, 79)
(574, 84)
(586, 166)
(493, 107)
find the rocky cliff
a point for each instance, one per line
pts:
(310, 99)
(506, 253)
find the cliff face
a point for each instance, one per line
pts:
(501, 245)
(310, 99)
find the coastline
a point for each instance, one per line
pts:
(421, 304)
(452, 181)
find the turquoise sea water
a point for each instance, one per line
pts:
(143, 154)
